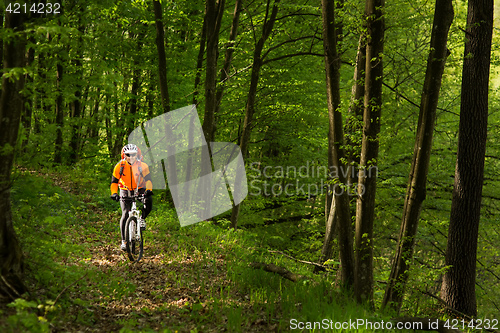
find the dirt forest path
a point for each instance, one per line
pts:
(158, 296)
(182, 283)
(161, 291)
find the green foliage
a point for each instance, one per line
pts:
(199, 274)
(104, 47)
(26, 319)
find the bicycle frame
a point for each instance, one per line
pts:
(133, 232)
(134, 211)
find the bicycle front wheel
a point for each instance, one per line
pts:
(133, 236)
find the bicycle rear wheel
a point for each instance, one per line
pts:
(133, 236)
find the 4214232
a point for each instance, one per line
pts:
(34, 8)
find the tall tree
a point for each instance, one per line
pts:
(199, 61)
(1, 44)
(11, 106)
(213, 19)
(367, 182)
(459, 283)
(136, 83)
(76, 104)
(416, 189)
(162, 57)
(224, 75)
(59, 118)
(336, 154)
(355, 112)
(267, 28)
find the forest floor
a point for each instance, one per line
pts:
(80, 281)
(191, 279)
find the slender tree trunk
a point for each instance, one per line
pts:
(1, 44)
(335, 144)
(59, 121)
(165, 99)
(227, 58)
(327, 250)
(27, 111)
(367, 181)
(162, 57)
(133, 99)
(199, 62)
(44, 65)
(416, 190)
(355, 112)
(213, 20)
(95, 118)
(252, 94)
(459, 283)
(76, 105)
(108, 127)
(136, 82)
(150, 97)
(11, 101)
(120, 115)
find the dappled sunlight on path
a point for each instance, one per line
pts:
(163, 290)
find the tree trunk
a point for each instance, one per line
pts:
(1, 44)
(162, 57)
(120, 115)
(199, 62)
(416, 190)
(224, 75)
(136, 85)
(213, 20)
(327, 250)
(95, 118)
(11, 101)
(459, 283)
(335, 145)
(367, 181)
(355, 112)
(59, 114)
(252, 94)
(165, 99)
(76, 105)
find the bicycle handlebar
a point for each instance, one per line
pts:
(139, 197)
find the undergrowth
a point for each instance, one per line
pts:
(192, 279)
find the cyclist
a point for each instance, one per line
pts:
(124, 180)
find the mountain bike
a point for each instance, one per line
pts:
(133, 232)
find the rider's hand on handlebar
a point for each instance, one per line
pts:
(115, 197)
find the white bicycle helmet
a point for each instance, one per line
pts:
(129, 149)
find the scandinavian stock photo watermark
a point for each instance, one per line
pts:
(309, 180)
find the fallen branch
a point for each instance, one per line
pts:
(447, 308)
(319, 266)
(67, 287)
(455, 312)
(278, 270)
(8, 289)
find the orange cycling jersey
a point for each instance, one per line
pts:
(125, 176)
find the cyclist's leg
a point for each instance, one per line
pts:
(125, 205)
(148, 204)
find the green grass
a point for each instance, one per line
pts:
(192, 279)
